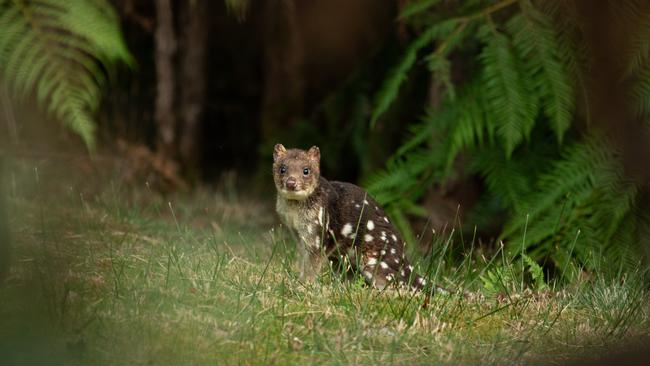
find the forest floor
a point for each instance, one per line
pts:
(105, 273)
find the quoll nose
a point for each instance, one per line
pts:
(290, 184)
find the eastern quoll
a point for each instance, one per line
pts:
(338, 221)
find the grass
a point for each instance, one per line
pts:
(111, 274)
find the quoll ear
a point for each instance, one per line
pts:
(278, 151)
(314, 153)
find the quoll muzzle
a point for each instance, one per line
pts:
(291, 184)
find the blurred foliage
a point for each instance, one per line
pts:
(62, 52)
(238, 7)
(514, 117)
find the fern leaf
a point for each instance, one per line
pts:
(507, 98)
(498, 280)
(638, 52)
(570, 175)
(535, 42)
(402, 174)
(432, 124)
(504, 178)
(536, 272)
(440, 67)
(391, 85)
(416, 7)
(591, 206)
(640, 93)
(61, 52)
(473, 127)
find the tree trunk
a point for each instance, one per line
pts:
(164, 115)
(193, 81)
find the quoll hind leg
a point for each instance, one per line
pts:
(378, 273)
(408, 277)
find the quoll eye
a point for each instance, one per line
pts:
(305, 171)
(283, 169)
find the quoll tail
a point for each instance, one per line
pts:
(419, 283)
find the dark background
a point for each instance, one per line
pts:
(300, 73)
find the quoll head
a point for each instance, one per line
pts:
(296, 172)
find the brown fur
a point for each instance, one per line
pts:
(338, 221)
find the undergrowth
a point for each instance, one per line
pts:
(516, 94)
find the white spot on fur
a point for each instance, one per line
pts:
(393, 251)
(357, 206)
(367, 274)
(383, 265)
(396, 260)
(310, 229)
(347, 230)
(394, 237)
(422, 281)
(410, 267)
(370, 225)
(402, 273)
(389, 277)
(386, 219)
(367, 237)
(352, 236)
(365, 202)
(372, 261)
(382, 252)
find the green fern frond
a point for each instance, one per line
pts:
(637, 52)
(403, 175)
(473, 127)
(417, 7)
(593, 202)
(440, 68)
(498, 280)
(391, 85)
(507, 98)
(571, 49)
(565, 197)
(536, 44)
(429, 130)
(572, 175)
(640, 93)
(536, 273)
(504, 178)
(61, 52)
